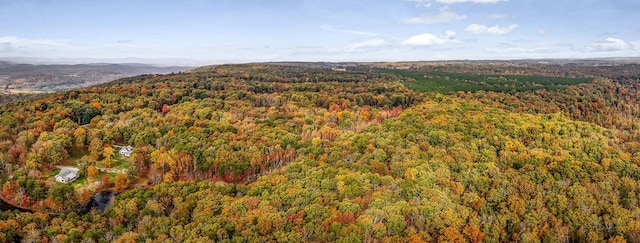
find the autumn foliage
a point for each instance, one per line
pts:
(300, 153)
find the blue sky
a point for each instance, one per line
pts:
(218, 31)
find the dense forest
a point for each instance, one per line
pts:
(302, 153)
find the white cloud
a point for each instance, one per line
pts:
(367, 44)
(427, 3)
(18, 41)
(470, 1)
(610, 44)
(544, 32)
(423, 3)
(427, 39)
(450, 34)
(493, 30)
(516, 50)
(13, 45)
(353, 32)
(444, 15)
(130, 44)
(498, 16)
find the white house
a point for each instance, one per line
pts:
(67, 175)
(126, 151)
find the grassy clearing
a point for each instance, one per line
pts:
(52, 173)
(81, 181)
(120, 162)
(117, 162)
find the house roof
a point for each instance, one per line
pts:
(68, 173)
(126, 148)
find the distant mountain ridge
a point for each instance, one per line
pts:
(57, 77)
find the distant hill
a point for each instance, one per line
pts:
(16, 77)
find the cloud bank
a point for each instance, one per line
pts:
(493, 30)
(352, 32)
(444, 15)
(427, 3)
(427, 39)
(610, 44)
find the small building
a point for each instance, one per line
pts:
(67, 175)
(126, 151)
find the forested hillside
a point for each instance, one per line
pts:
(295, 153)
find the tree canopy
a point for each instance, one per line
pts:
(271, 152)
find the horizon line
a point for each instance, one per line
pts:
(189, 62)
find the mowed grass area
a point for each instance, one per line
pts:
(80, 182)
(117, 162)
(443, 82)
(84, 182)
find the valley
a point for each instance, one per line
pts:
(28, 78)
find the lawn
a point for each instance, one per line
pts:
(118, 162)
(52, 173)
(73, 159)
(81, 181)
(121, 162)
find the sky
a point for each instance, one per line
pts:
(227, 31)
